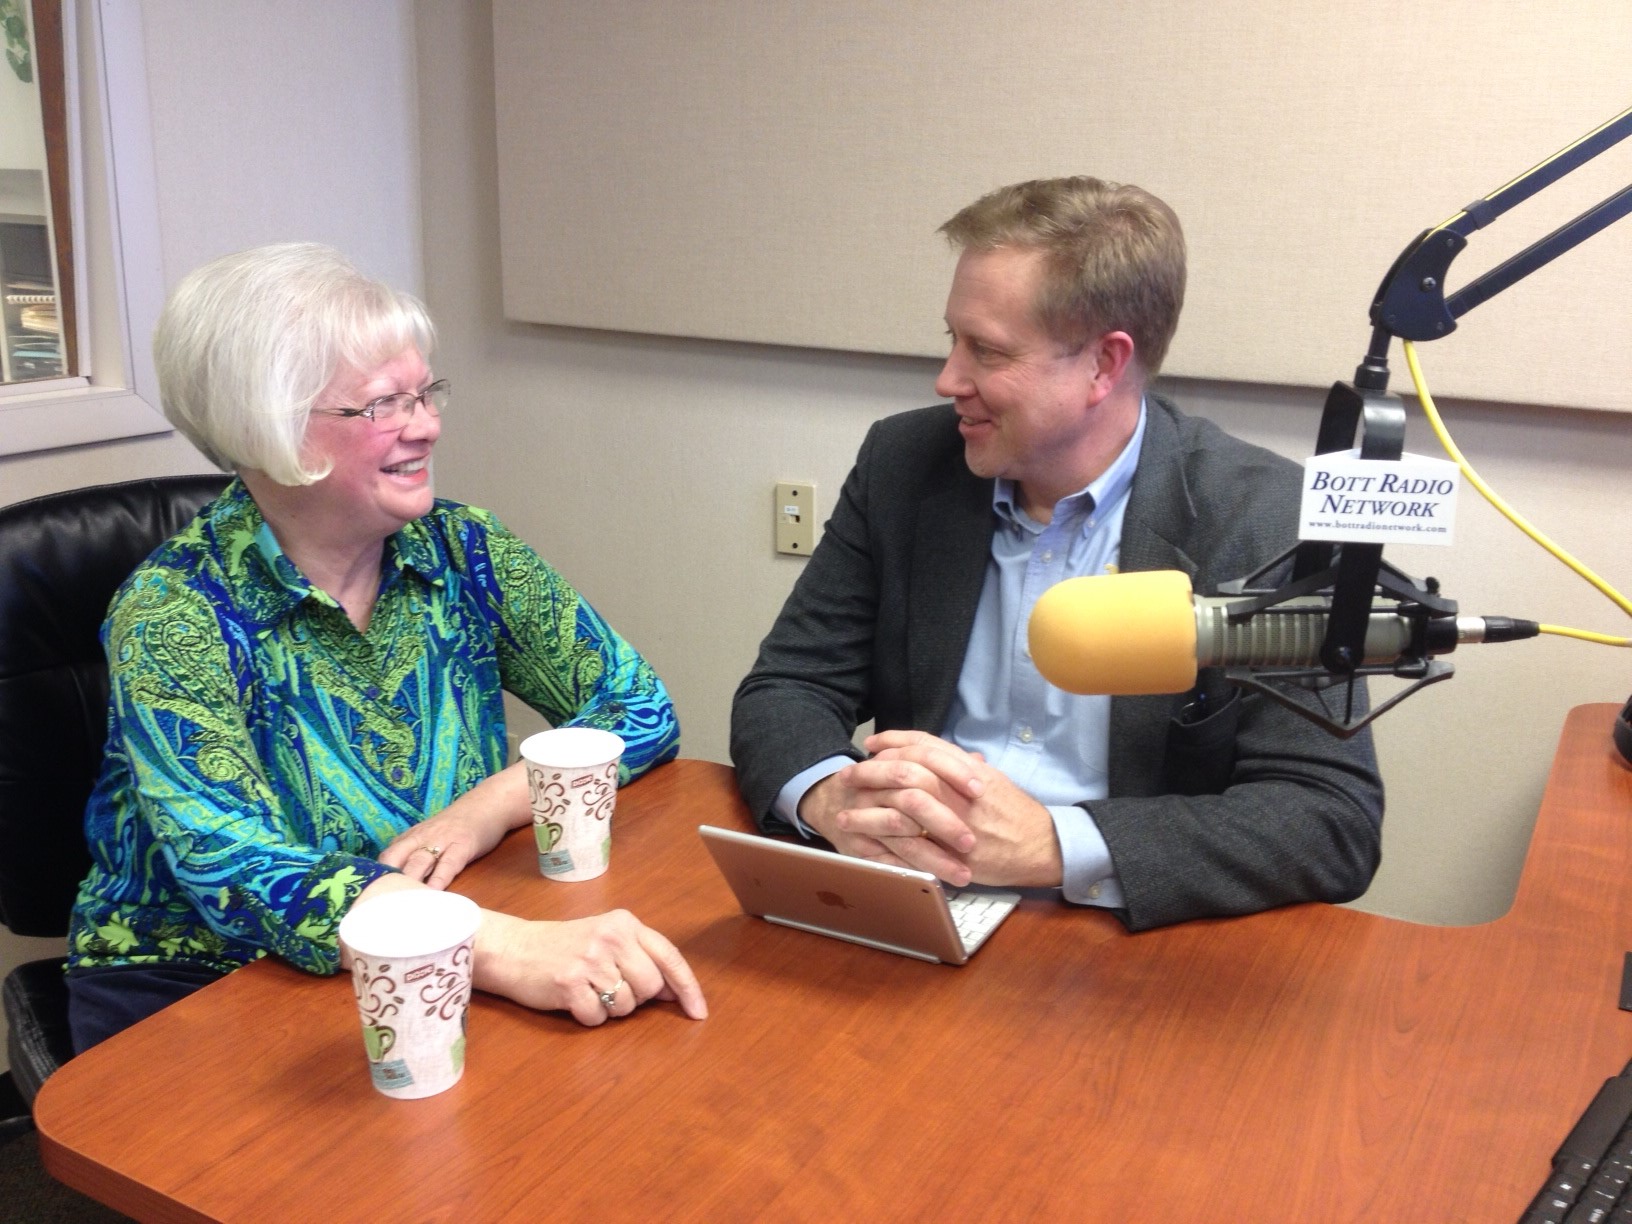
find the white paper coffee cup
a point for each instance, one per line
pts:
(572, 779)
(411, 954)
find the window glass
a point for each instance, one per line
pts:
(37, 335)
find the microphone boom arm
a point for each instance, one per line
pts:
(1411, 304)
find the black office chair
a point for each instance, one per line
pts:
(61, 559)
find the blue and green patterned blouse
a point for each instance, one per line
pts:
(262, 751)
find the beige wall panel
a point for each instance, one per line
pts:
(772, 173)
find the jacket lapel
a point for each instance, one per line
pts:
(951, 545)
(1159, 519)
(1161, 513)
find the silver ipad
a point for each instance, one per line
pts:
(895, 909)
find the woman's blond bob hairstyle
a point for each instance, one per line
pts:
(248, 342)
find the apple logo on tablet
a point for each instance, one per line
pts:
(833, 899)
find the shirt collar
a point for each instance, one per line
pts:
(419, 548)
(254, 563)
(241, 527)
(1103, 491)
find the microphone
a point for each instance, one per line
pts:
(1148, 632)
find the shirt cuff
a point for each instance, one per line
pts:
(1090, 876)
(787, 799)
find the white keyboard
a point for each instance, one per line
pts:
(976, 913)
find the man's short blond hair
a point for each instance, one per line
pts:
(1113, 257)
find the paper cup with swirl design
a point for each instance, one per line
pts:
(572, 776)
(411, 957)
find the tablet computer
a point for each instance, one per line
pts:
(895, 909)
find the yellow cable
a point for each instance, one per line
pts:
(1586, 635)
(1511, 514)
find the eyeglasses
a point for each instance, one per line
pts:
(395, 411)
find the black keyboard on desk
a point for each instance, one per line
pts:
(1593, 1166)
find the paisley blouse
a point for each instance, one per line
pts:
(262, 750)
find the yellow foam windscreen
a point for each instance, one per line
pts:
(1117, 633)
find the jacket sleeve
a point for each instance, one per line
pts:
(1298, 818)
(811, 686)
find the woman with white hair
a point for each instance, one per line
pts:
(306, 706)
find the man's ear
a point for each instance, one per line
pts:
(1112, 359)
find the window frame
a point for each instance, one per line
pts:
(118, 270)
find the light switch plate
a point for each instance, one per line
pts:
(794, 513)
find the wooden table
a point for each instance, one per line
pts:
(1311, 1064)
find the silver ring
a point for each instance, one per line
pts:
(433, 851)
(609, 997)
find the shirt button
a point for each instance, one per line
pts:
(1025, 735)
(1093, 892)
(372, 693)
(1048, 554)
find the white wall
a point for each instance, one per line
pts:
(293, 120)
(270, 123)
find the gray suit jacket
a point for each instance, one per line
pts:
(1250, 808)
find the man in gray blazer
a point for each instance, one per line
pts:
(1053, 460)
